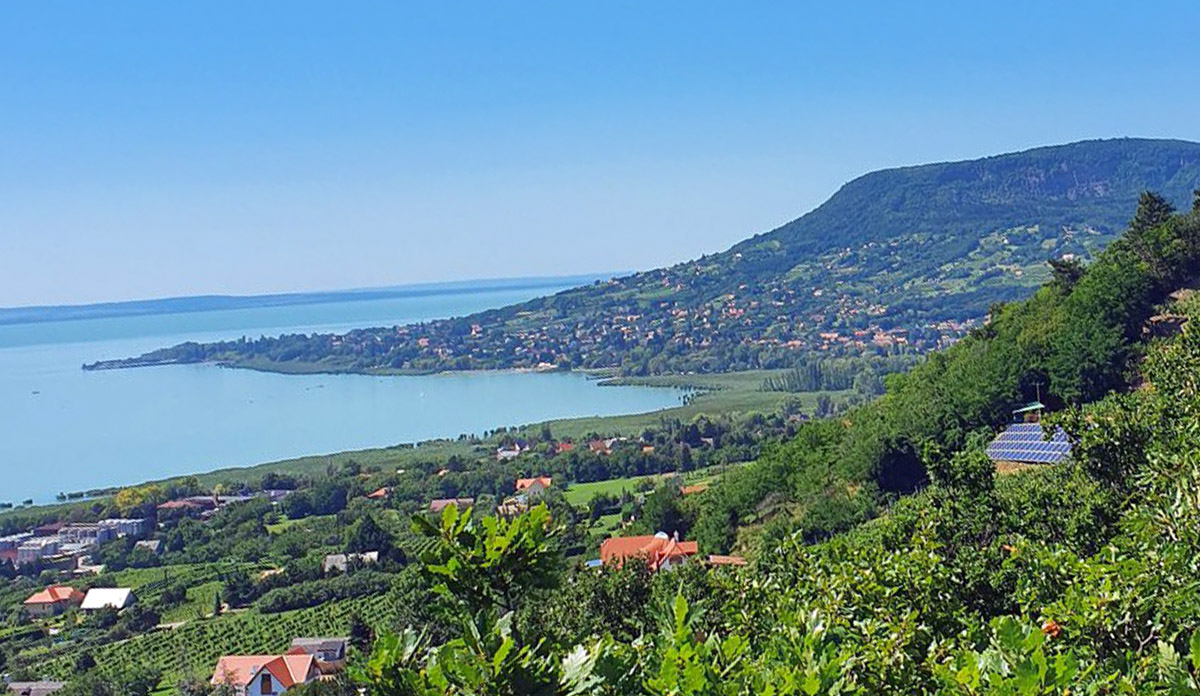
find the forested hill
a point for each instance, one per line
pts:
(903, 259)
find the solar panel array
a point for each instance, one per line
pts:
(1026, 442)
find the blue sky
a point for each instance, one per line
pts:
(151, 148)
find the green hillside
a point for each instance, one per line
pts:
(1071, 578)
(902, 260)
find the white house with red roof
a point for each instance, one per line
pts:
(534, 486)
(53, 600)
(265, 675)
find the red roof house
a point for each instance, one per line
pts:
(53, 600)
(694, 489)
(533, 486)
(659, 550)
(380, 494)
(265, 674)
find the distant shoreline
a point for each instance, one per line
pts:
(213, 303)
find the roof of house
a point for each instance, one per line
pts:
(726, 560)
(179, 505)
(55, 594)
(691, 490)
(341, 561)
(523, 483)
(443, 503)
(240, 670)
(381, 493)
(115, 597)
(318, 644)
(654, 548)
(37, 688)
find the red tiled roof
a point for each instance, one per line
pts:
(379, 494)
(443, 503)
(654, 548)
(726, 560)
(179, 505)
(691, 490)
(288, 670)
(55, 594)
(523, 483)
(564, 447)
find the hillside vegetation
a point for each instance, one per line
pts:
(1074, 578)
(898, 260)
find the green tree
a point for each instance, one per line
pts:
(1152, 211)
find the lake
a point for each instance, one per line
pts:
(63, 429)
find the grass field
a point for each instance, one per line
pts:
(581, 493)
(306, 523)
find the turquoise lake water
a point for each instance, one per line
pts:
(63, 429)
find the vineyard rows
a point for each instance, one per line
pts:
(192, 649)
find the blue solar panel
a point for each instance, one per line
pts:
(1026, 442)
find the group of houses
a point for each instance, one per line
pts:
(307, 660)
(58, 598)
(65, 546)
(601, 446)
(205, 506)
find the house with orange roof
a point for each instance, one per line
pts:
(660, 551)
(533, 486)
(564, 447)
(53, 600)
(716, 560)
(442, 503)
(263, 675)
(694, 489)
(380, 494)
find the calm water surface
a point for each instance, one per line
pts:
(63, 429)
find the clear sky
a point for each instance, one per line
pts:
(171, 148)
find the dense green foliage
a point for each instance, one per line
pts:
(897, 260)
(1068, 344)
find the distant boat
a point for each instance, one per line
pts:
(35, 392)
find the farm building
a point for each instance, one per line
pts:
(108, 597)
